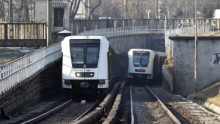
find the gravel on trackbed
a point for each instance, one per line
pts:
(147, 109)
(69, 114)
(186, 111)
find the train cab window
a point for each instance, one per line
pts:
(141, 59)
(77, 55)
(92, 55)
(84, 53)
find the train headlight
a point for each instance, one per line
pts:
(79, 74)
(89, 74)
(84, 74)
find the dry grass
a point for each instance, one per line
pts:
(210, 94)
(214, 100)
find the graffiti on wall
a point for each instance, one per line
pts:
(215, 59)
(184, 72)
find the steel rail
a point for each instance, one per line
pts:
(168, 112)
(96, 114)
(50, 112)
(88, 110)
(132, 108)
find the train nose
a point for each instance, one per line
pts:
(84, 84)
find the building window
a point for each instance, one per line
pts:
(58, 17)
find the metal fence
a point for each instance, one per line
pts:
(22, 34)
(123, 31)
(190, 30)
(78, 25)
(22, 31)
(20, 69)
(135, 30)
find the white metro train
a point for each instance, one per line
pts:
(145, 64)
(88, 62)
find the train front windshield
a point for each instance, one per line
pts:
(141, 58)
(84, 52)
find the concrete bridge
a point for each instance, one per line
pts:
(22, 73)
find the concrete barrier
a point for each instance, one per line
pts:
(167, 80)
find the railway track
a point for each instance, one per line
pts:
(67, 112)
(154, 105)
(75, 112)
(147, 108)
(186, 111)
(71, 114)
(133, 104)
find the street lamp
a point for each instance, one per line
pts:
(168, 13)
(168, 43)
(165, 22)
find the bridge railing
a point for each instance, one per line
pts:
(20, 69)
(190, 30)
(134, 30)
(123, 31)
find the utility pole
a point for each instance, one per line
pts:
(10, 11)
(156, 6)
(195, 64)
(49, 24)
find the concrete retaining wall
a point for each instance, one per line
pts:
(123, 44)
(208, 63)
(31, 91)
(167, 79)
(150, 41)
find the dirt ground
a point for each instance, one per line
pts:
(210, 94)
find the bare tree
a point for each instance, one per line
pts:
(3, 4)
(95, 5)
(74, 6)
(136, 9)
(20, 9)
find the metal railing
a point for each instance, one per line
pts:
(186, 31)
(20, 69)
(123, 31)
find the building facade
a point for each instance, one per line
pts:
(60, 12)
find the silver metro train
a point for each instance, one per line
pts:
(88, 62)
(145, 64)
